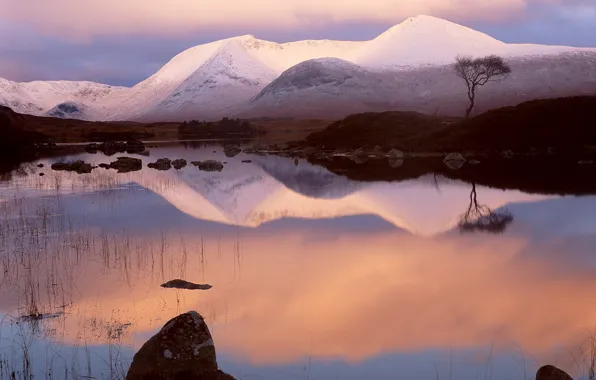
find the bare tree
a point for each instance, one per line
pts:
(478, 72)
(481, 218)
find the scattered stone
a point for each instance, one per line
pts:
(232, 151)
(109, 148)
(396, 162)
(377, 152)
(550, 372)
(359, 156)
(182, 284)
(134, 146)
(78, 166)
(179, 163)
(209, 165)
(454, 161)
(92, 148)
(161, 164)
(182, 349)
(508, 154)
(127, 164)
(395, 153)
(247, 161)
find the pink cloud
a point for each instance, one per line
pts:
(75, 19)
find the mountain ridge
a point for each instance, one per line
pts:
(229, 66)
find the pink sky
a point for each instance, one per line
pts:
(77, 19)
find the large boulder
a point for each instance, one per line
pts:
(550, 372)
(182, 350)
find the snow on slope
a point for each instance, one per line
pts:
(322, 86)
(320, 89)
(229, 78)
(39, 97)
(427, 40)
(220, 78)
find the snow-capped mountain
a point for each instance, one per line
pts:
(404, 68)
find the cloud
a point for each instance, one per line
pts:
(77, 19)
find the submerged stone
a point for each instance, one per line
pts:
(182, 284)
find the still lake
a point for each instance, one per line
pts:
(315, 276)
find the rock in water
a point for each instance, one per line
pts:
(550, 372)
(454, 161)
(179, 163)
(209, 165)
(232, 151)
(162, 164)
(182, 284)
(127, 164)
(182, 350)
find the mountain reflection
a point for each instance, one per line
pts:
(283, 291)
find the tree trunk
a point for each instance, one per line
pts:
(471, 96)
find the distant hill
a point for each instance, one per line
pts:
(563, 123)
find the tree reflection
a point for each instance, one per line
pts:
(480, 218)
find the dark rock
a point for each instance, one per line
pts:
(549, 372)
(78, 166)
(135, 146)
(182, 349)
(454, 161)
(508, 154)
(247, 161)
(127, 164)
(359, 156)
(109, 148)
(161, 164)
(395, 162)
(232, 151)
(40, 165)
(395, 153)
(296, 161)
(92, 148)
(182, 284)
(104, 166)
(41, 174)
(179, 164)
(209, 165)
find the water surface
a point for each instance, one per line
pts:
(314, 275)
